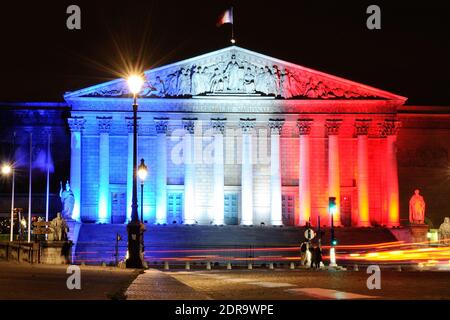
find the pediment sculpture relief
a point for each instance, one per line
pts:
(235, 74)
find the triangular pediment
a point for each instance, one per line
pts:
(235, 71)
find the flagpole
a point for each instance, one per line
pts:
(233, 41)
(48, 178)
(11, 232)
(29, 188)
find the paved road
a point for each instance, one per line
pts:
(304, 284)
(22, 281)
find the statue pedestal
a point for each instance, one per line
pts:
(418, 232)
(55, 252)
(74, 230)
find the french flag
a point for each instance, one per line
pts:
(226, 17)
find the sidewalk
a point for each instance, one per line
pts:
(156, 285)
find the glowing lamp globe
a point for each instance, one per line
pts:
(135, 83)
(6, 169)
(142, 170)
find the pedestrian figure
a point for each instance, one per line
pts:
(317, 256)
(303, 249)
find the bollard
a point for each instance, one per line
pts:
(250, 266)
(188, 266)
(399, 268)
(355, 267)
(271, 266)
(292, 266)
(103, 264)
(208, 265)
(166, 265)
(228, 266)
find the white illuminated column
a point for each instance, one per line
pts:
(76, 125)
(362, 129)
(104, 125)
(275, 126)
(247, 126)
(334, 182)
(189, 171)
(304, 179)
(161, 170)
(218, 168)
(390, 131)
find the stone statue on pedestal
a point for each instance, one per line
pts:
(416, 208)
(59, 228)
(444, 231)
(67, 200)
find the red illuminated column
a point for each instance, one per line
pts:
(275, 126)
(362, 129)
(247, 126)
(304, 179)
(334, 183)
(390, 129)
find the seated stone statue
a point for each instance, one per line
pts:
(416, 208)
(59, 228)
(444, 231)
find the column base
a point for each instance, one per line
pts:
(219, 223)
(162, 221)
(393, 225)
(246, 223)
(363, 224)
(189, 222)
(277, 223)
(102, 221)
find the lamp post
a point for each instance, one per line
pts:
(134, 230)
(8, 169)
(332, 209)
(142, 173)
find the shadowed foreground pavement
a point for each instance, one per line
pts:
(48, 282)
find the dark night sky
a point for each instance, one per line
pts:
(41, 59)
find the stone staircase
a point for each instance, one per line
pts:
(96, 243)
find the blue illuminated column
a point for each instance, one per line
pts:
(189, 171)
(161, 170)
(76, 125)
(275, 126)
(247, 126)
(218, 168)
(104, 125)
(129, 167)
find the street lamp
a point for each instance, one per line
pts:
(142, 173)
(8, 169)
(135, 83)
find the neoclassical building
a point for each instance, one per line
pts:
(237, 137)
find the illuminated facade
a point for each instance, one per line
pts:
(236, 137)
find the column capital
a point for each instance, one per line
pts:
(189, 124)
(218, 125)
(333, 126)
(76, 124)
(130, 123)
(247, 124)
(161, 125)
(362, 126)
(304, 126)
(390, 127)
(104, 124)
(276, 125)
